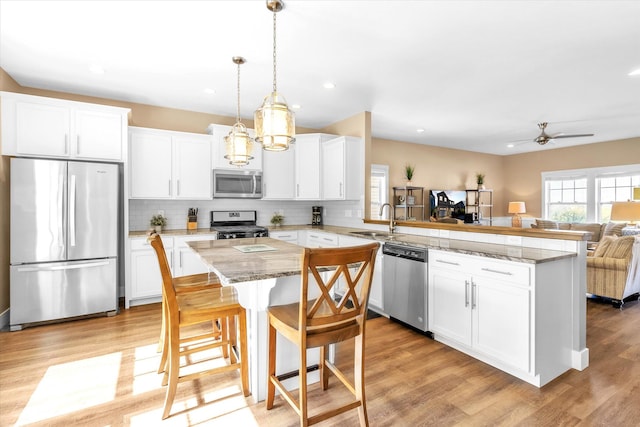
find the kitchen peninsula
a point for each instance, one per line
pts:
(544, 269)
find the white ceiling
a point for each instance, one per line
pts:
(475, 75)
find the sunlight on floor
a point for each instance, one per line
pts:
(73, 386)
(145, 369)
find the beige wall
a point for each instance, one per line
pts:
(522, 171)
(441, 168)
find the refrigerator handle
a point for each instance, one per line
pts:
(63, 267)
(72, 211)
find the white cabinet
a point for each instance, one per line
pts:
(375, 293)
(219, 150)
(186, 260)
(287, 236)
(169, 165)
(308, 165)
(482, 304)
(319, 239)
(144, 280)
(278, 170)
(343, 169)
(49, 127)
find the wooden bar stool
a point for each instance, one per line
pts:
(323, 321)
(182, 284)
(194, 307)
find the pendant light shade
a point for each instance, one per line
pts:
(238, 144)
(274, 122)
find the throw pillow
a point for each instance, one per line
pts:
(593, 228)
(603, 245)
(614, 228)
(620, 248)
(547, 224)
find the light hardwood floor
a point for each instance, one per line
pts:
(101, 371)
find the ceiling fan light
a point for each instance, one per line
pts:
(275, 123)
(239, 146)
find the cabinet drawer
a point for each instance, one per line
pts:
(517, 274)
(287, 236)
(450, 260)
(314, 238)
(142, 243)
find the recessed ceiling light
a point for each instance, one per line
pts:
(510, 145)
(419, 130)
(96, 69)
(210, 91)
(329, 85)
(635, 72)
(295, 106)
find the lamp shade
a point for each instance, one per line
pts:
(625, 211)
(274, 123)
(517, 207)
(636, 193)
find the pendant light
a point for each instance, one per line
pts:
(274, 122)
(238, 143)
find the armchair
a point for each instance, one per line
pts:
(614, 269)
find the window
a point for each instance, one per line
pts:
(379, 190)
(586, 195)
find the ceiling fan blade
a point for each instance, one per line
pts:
(572, 136)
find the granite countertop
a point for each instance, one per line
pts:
(489, 250)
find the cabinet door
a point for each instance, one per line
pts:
(501, 321)
(150, 165)
(187, 261)
(449, 303)
(333, 164)
(42, 129)
(146, 280)
(98, 135)
(192, 166)
(278, 174)
(375, 295)
(307, 167)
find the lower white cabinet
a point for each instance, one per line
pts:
(375, 293)
(511, 315)
(144, 282)
(287, 236)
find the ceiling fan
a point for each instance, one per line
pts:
(544, 137)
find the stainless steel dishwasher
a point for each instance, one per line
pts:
(405, 284)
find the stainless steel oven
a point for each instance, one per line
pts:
(244, 184)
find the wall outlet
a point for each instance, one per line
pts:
(514, 240)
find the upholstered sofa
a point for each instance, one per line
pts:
(597, 230)
(613, 271)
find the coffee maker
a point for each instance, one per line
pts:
(316, 215)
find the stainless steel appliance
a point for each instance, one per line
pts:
(405, 284)
(316, 215)
(64, 240)
(236, 224)
(244, 184)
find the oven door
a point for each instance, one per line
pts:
(237, 184)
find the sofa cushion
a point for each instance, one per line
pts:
(546, 224)
(593, 228)
(614, 228)
(620, 248)
(603, 245)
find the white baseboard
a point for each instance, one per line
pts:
(580, 359)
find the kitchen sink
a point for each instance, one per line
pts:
(375, 234)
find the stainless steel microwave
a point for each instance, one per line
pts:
(243, 184)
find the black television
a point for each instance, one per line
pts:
(447, 204)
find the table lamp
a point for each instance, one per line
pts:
(516, 208)
(625, 211)
(636, 193)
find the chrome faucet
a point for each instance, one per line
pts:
(392, 221)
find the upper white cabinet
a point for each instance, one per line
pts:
(49, 127)
(278, 170)
(343, 168)
(218, 132)
(169, 165)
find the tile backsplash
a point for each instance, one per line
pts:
(344, 213)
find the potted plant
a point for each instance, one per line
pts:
(158, 221)
(409, 171)
(277, 219)
(480, 180)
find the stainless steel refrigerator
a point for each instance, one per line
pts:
(64, 240)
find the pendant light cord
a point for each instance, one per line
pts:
(274, 50)
(238, 111)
